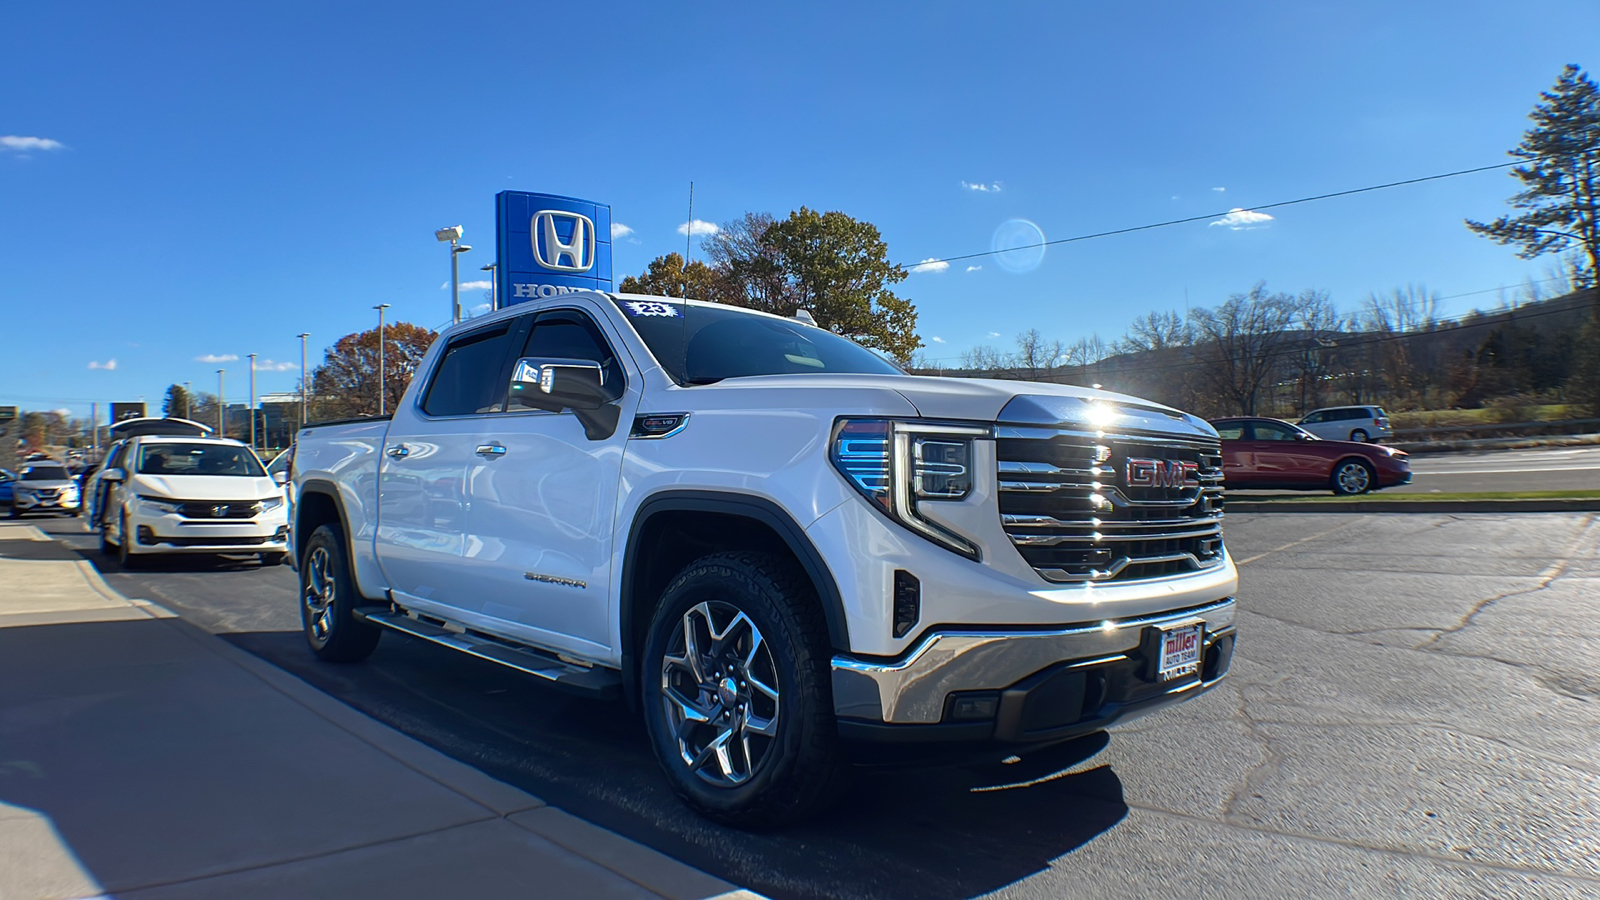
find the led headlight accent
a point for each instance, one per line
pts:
(899, 464)
(159, 506)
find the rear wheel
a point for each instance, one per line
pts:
(1360, 434)
(1352, 477)
(328, 600)
(737, 694)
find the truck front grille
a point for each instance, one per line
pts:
(1078, 512)
(219, 509)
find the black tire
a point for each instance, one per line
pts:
(1352, 476)
(125, 557)
(794, 772)
(1360, 435)
(328, 600)
(272, 559)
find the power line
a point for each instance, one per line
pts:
(1277, 205)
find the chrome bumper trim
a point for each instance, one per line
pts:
(913, 689)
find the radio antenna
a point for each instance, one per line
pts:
(688, 242)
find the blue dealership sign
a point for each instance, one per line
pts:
(549, 245)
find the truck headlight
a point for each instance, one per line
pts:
(899, 465)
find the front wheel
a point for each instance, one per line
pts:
(737, 695)
(328, 600)
(1359, 435)
(125, 555)
(1352, 477)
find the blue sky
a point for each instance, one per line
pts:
(210, 180)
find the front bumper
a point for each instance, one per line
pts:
(1046, 685)
(29, 502)
(267, 533)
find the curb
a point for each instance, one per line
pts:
(1549, 504)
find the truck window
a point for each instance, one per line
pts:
(569, 334)
(470, 377)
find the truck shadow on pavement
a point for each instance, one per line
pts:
(934, 832)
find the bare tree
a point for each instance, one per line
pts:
(1319, 325)
(1241, 342)
(1156, 331)
(1035, 356)
(1391, 317)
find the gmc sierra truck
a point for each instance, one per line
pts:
(774, 544)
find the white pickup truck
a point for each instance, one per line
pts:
(774, 544)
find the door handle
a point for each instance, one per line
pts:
(399, 451)
(493, 448)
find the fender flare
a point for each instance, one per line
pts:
(323, 487)
(742, 505)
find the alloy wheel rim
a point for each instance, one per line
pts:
(719, 686)
(1353, 478)
(319, 593)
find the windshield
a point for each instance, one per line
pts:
(717, 342)
(198, 459)
(45, 473)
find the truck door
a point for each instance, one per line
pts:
(422, 502)
(543, 491)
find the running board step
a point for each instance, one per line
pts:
(592, 681)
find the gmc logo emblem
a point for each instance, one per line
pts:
(575, 254)
(1161, 473)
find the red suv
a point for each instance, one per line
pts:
(1271, 453)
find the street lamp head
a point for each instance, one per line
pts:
(382, 306)
(489, 267)
(463, 248)
(453, 233)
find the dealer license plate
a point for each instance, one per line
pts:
(1180, 651)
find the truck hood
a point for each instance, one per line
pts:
(205, 487)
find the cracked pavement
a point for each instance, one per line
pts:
(1414, 710)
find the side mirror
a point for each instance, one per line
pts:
(1303, 436)
(560, 384)
(280, 478)
(557, 384)
(114, 475)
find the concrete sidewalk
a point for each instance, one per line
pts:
(143, 758)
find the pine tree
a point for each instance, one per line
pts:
(1561, 180)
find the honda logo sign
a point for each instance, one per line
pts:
(574, 254)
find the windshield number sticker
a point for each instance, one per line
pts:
(651, 308)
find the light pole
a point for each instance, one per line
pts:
(494, 287)
(222, 408)
(303, 336)
(380, 308)
(188, 401)
(252, 358)
(453, 235)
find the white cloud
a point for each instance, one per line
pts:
(1243, 220)
(476, 285)
(936, 339)
(108, 365)
(217, 357)
(1219, 190)
(267, 365)
(22, 144)
(63, 412)
(481, 308)
(992, 187)
(930, 265)
(698, 226)
(619, 230)
(445, 286)
(994, 334)
(974, 268)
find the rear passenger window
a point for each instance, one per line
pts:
(1231, 432)
(1314, 418)
(470, 379)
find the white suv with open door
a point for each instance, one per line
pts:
(185, 493)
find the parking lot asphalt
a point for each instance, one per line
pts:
(1414, 710)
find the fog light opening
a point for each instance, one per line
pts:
(907, 602)
(973, 706)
